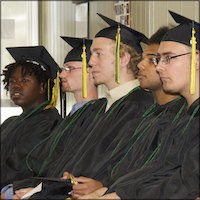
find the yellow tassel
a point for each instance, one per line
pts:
(193, 62)
(117, 56)
(84, 72)
(54, 96)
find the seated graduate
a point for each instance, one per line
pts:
(125, 101)
(72, 77)
(30, 83)
(174, 174)
(143, 142)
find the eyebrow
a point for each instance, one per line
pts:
(96, 49)
(166, 53)
(151, 54)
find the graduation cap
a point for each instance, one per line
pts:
(76, 52)
(128, 35)
(121, 33)
(80, 52)
(183, 32)
(187, 32)
(40, 56)
(37, 54)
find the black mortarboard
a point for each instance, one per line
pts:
(37, 54)
(183, 32)
(77, 45)
(128, 35)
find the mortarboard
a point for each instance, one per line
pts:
(80, 52)
(121, 33)
(182, 32)
(76, 52)
(39, 55)
(129, 36)
(185, 33)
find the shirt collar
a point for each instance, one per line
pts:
(120, 91)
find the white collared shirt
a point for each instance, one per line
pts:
(120, 91)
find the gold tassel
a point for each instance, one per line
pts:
(117, 56)
(84, 72)
(54, 96)
(193, 62)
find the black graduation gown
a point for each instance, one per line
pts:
(19, 135)
(174, 174)
(103, 133)
(64, 136)
(144, 141)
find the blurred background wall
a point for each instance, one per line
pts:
(25, 23)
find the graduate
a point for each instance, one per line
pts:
(30, 83)
(72, 77)
(125, 101)
(174, 174)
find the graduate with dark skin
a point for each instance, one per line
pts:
(175, 173)
(26, 82)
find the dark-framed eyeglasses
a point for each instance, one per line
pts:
(166, 58)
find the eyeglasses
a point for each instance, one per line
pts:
(70, 69)
(166, 59)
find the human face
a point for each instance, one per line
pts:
(175, 75)
(25, 91)
(102, 62)
(147, 75)
(71, 79)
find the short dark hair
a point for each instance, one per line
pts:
(158, 35)
(28, 68)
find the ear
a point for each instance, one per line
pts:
(125, 59)
(43, 88)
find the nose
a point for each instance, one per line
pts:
(15, 85)
(140, 65)
(160, 67)
(91, 61)
(63, 74)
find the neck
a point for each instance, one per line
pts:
(162, 97)
(123, 79)
(92, 94)
(189, 97)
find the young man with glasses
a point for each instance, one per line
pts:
(71, 74)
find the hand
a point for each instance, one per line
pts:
(3, 197)
(20, 193)
(96, 194)
(110, 196)
(66, 175)
(85, 186)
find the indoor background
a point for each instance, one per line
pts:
(26, 23)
